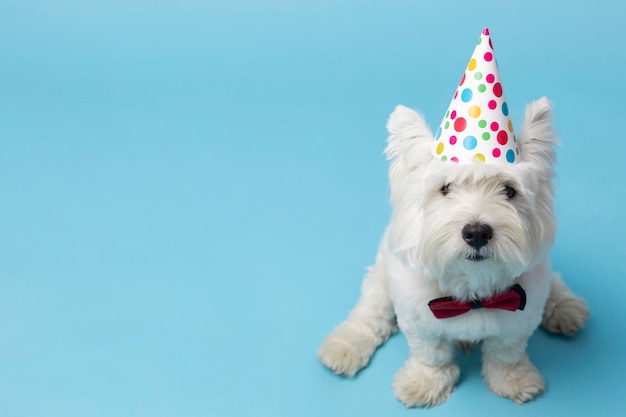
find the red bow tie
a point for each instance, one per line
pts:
(512, 299)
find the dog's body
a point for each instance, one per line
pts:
(465, 231)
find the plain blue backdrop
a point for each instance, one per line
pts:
(191, 191)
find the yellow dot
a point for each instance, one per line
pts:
(472, 64)
(474, 111)
(440, 148)
(479, 157)
(510, 126)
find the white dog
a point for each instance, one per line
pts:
(462, 232)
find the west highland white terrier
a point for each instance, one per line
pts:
(464, 260)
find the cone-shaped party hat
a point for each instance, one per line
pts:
(477, 127)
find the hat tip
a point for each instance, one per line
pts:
(486, 31)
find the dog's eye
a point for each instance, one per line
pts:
(509, 191)
(445, 190)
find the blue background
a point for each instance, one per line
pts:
(191, 191)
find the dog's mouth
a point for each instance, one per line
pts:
(475, 257)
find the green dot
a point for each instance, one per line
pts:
(446, 125)
(482, 123)
(517, 151)
(481, 88)
(477, 43)
(447, 114)
(486, 136)
(444, 158)
(514, 139)
(478, 75)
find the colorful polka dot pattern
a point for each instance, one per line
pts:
(477, 126)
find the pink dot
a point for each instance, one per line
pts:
(486, 31)
(496, 153)
(460, 124)
(453, 114)
(497, 89)
(490, 44)
(456, 93)
(492, 104)
(490, 78)
(452, 140)
(462, 79)
(488, 56)
(503, 137)
(454, 159)
(494, 126)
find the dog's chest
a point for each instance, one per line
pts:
(411, 294)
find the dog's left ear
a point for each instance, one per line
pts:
(537, 137)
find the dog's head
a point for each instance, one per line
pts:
(474, 228)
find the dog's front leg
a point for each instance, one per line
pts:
(507, 370)
(429, 375)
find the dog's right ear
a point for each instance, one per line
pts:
(409, 142)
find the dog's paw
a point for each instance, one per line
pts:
(347, 350)
(420, 385)
(520, 381)
(566, 315)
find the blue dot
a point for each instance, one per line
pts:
(505, 109)
(466, 95)
(510, 156)
(469, 142)
(438, 134)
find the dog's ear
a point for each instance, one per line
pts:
(538, 138)
(409, 142)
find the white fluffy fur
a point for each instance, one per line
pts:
(423, 256)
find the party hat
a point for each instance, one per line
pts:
(477, 126)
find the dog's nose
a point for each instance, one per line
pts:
(477, 235)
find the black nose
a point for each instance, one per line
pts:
(477, 235)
